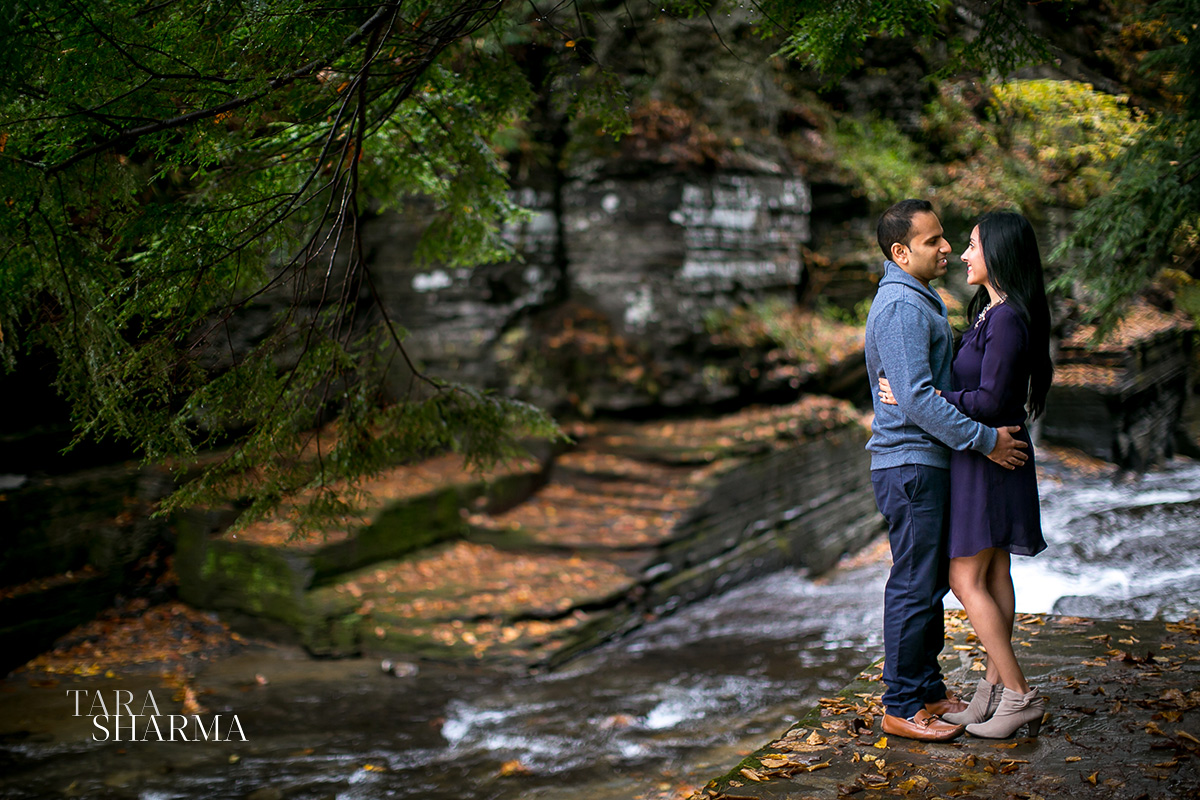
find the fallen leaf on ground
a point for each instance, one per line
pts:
(191, 705)
(514, 767)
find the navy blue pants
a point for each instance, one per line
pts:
(914, 501)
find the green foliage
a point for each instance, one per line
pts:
(1025, 144)
(884, 162)
(314, 473)
(166, 167)
(1121, 241)
(983, 165)
(1146, 221)
(1003, 43)
(1076, 125)
(856, 316)
(1038, 143)
(793, 336)
(828, 36)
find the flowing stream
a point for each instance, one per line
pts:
(664, 709)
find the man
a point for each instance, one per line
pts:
(909, 342)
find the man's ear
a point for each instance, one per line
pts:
(899, 253)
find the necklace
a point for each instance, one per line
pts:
(982, 314)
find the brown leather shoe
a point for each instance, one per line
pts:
(923, 726)
(947, 705)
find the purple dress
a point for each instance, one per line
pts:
(991, 506)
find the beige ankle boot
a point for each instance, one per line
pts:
(983, 705)
(1015, 710)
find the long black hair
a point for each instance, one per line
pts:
(1014, 268)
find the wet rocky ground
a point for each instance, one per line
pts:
(1122, 721)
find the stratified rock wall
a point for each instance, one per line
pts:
(1124, 399)
(455, 316)
(658, 254)
(650, 255)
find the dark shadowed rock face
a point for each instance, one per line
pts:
(1125, 400)
(636, 262)
(71, 543)
(454, 316)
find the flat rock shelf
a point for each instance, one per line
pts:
(556, 554)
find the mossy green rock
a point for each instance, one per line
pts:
(288, 584)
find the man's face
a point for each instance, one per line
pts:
(924, 255)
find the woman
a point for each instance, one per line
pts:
(1002, 363)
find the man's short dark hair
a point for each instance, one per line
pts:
(896, 222)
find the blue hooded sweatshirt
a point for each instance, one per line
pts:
(908, 341)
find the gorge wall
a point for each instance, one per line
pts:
(621, 323)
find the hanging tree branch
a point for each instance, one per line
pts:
(381, 15)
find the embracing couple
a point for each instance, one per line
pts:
(952, 464)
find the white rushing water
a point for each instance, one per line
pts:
(1129, 549)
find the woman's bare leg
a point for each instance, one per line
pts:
(973, 579)
(1000, 587)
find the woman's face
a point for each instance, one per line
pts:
(977, 274)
